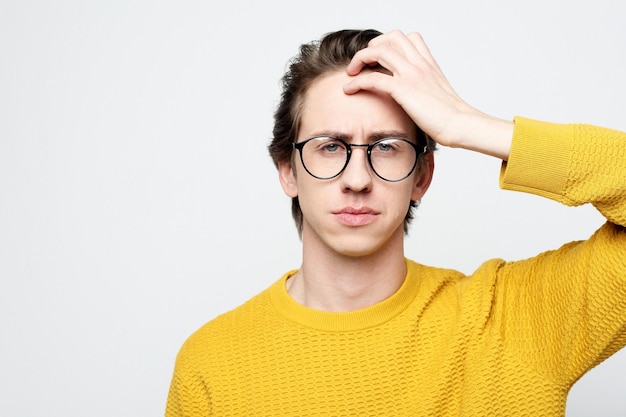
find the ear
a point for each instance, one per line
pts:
(424, 177)
(287, 179)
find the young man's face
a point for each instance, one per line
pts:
(356, 213)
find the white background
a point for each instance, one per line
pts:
(137, 200)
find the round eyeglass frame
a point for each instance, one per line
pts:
(419, 150)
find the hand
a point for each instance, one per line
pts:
(415, 81)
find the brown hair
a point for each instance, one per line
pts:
(333, 52)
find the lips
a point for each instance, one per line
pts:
(353, 216)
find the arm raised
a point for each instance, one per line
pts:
(415, 81)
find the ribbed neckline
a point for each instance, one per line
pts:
(349, 321)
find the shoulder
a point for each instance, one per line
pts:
(228, 329)
(432, 278)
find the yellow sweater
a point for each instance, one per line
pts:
(509, 340)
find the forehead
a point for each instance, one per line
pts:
(326, 108)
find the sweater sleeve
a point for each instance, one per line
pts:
(564, 311)
(573, 164)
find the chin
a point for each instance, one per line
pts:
(358, 247)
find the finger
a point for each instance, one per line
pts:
(412, 45)
(388, 57)
(362, 59)
(391, 50)
(400, 42)
(418, 42)
(371, 81)
(358, 62)
(368, 56)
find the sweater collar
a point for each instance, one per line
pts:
(346, 321)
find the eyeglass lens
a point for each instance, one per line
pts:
(391, 159)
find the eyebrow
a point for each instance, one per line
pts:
(382, 134)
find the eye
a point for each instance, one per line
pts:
(386, 146)
(329, 146)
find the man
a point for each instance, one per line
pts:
(359, 329)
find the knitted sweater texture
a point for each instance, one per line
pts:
(508, 340)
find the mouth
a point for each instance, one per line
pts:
(352, 216)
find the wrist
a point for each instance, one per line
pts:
(480, 132)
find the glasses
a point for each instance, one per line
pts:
(391, 159)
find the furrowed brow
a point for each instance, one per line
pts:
(331, 133)
(390, 134)
(383, 134)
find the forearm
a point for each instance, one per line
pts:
(482, 133)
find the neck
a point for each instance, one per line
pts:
(330, 281)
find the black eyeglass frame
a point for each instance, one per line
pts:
(419, 150)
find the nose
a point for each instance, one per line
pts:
(357, 176)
